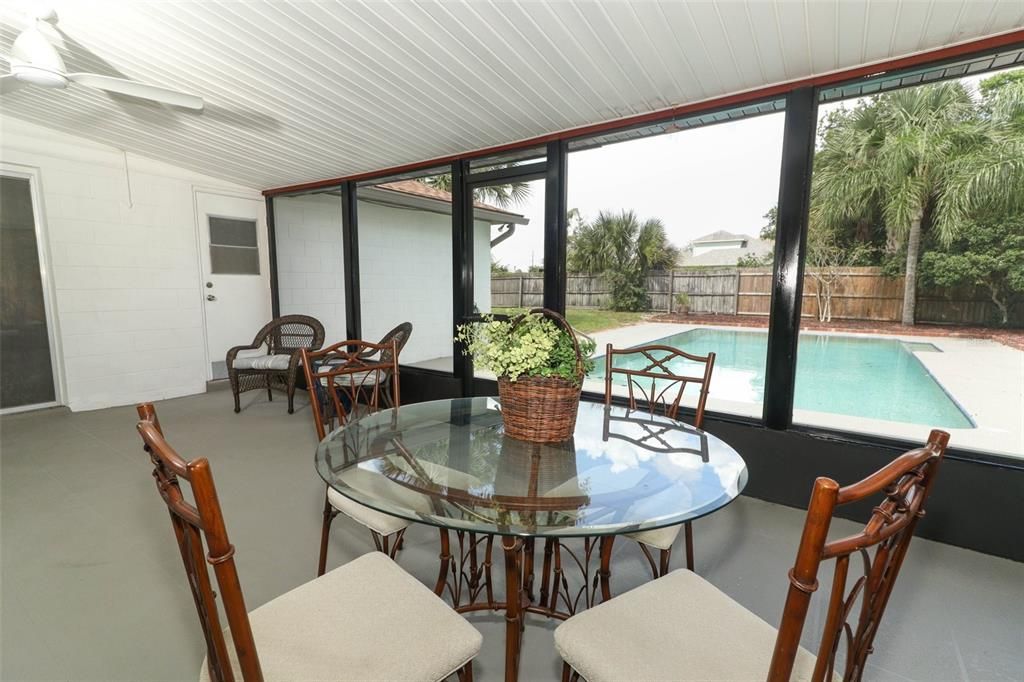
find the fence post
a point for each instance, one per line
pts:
(671, 289)
(736, 295)
(520, 291)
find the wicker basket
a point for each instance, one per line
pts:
(542, 409)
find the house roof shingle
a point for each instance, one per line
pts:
(422, 189)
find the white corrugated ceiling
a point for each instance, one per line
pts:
(301, 91)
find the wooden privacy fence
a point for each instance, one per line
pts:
(863, 293)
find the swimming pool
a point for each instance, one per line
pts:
(875, 378)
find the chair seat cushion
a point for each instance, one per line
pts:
(366, 620)
(262, 362)
(679, 627)
(382, 523)
(659, 538)
(382, 488)
(356, 379)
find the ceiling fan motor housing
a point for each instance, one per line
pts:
(34, 60)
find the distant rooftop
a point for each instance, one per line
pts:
(721, 236)
(703, 252)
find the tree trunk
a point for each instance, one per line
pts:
(1004, 309)
(910, 279)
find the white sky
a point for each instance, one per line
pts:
(718, 177)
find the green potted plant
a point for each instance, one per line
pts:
(540, 362)
(682, 304)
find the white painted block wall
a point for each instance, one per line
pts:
(310, 260)
(405, 273)
(126, 275)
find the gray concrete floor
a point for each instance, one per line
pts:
(93, 589)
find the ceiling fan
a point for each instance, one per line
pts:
(35, 61)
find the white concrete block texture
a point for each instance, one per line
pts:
(124, 265)
(310, 267)
(405, 275)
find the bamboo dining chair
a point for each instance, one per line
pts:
(653, 376)
(367, 619)
(344, 379)
(684, 628)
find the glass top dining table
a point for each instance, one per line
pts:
(448, 463)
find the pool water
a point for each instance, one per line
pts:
(861, 377)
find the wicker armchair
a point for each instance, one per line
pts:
(278, 366)
(400, 336)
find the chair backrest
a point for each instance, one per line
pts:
(192, 525)
(399, 336)
(346, 374)
(655, 375)
(904, 485)
(289, 333)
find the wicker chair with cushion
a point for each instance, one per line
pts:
(366, 620)
(272, 359)
(682, 627)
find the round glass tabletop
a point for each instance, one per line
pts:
(448, 463)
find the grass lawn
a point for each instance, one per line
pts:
(590, 320)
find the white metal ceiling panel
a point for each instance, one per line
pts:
(299, 91)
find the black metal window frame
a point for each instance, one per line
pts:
(799, 138)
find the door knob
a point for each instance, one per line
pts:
(211, 297)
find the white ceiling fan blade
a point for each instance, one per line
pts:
(137, 89)
(10, 82)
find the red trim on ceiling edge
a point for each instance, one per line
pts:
(959, 50)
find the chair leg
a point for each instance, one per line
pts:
(688, 536)
(270, 393)
(665, 558)
(291, 395)
(233, 379)
(465, 673)
(650, 560)
(566, 672)
(325, 533)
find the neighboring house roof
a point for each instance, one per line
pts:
(752, 246)
(422, 189)
(721, 236)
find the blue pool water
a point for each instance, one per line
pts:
(861, 377)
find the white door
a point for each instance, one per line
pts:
(235, 273)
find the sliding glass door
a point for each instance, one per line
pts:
(26, 358)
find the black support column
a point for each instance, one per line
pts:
(462, 268)
(275, 295)
(555, 226)
(790, 246)
(350, 251)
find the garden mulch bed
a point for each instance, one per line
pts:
(1014, 338)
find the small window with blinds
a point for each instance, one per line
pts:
(234, 249)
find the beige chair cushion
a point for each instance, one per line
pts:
(382, 523)
(366, 620)
(659, 538)
(679, 627)
(377, 486)
(261, 361)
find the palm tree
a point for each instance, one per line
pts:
(918, 158)
(502, 196)
(617, 241)
(622, 248)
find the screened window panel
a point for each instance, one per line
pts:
(234, 260)
(232, 232)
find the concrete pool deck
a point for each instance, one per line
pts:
(985, 377)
